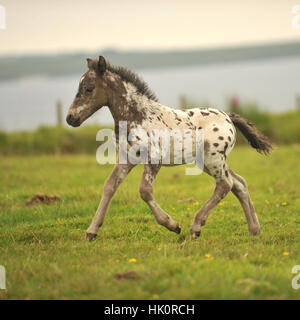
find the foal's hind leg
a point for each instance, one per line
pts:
(110, 186)
(240, 190)
(146, 192)
(223, 186)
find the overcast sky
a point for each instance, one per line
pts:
(35, 26)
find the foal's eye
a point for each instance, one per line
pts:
(89, 89)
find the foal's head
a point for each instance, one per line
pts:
(91, 95)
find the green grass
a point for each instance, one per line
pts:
(45, 254)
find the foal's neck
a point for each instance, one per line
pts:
(125, 103)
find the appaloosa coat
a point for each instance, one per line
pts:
(129, 99)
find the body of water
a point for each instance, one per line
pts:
(272, 84)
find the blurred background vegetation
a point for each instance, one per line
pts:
(35, 74)
(281, 128)
(33, 96)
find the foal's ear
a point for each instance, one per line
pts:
(101, 64)
(91, 63)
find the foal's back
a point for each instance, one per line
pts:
(218, 129)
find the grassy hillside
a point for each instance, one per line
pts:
(45, 254)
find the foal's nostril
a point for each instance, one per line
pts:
(73, 121)
(69, 117)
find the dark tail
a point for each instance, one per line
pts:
(257, 140)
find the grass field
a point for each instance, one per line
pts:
(45, 254)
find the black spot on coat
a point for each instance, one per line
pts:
(204, 114)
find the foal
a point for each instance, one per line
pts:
(129, 99)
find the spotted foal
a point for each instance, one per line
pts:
(130, 99)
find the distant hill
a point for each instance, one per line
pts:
(64, 64)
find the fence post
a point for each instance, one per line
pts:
(298, 102)
(183, 102)
(59, 113)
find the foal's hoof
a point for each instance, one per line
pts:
(90, 236)
(254, 232)
(196, 234)
(178, 230)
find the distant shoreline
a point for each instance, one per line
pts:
(67, 64)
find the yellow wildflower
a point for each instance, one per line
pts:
(132, 260)
(286, 253)
(283, 204)
(221, 204)
(207, 255)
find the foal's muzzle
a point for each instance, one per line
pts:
(73, 121)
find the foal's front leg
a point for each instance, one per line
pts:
(146, 192)
(110, 186)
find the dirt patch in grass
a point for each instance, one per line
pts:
(131, 275)
(40, 198)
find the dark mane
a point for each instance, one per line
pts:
(133, 78)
